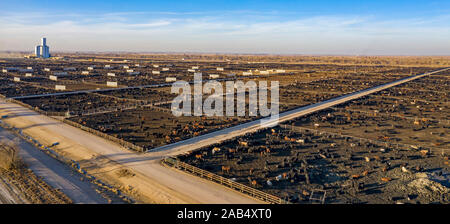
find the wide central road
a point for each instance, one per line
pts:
(160, 184)
(163, 182)
(238, 130)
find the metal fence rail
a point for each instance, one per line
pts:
(106, 136)
(35, 108)
(173, 162)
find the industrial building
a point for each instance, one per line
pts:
(42, 51)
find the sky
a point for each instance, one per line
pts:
(319, 27)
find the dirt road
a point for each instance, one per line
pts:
(152, 182)
(55, 173)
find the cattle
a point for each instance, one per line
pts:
(243, 143)
(214, 150)
(226, 169)
(424, 152)
(365, 173)
(278, 178)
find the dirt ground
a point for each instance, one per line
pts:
(350, 171)
(388, 148)
(150, 127)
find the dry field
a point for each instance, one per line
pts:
(21, 185)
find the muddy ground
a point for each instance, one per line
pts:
(151, 127)
(379, 149)
(349, 170)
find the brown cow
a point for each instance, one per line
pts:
(226, 169)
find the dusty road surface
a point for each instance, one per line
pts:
(146, 179)
(55, 173)
(141, 175)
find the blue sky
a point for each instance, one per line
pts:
(282, 27)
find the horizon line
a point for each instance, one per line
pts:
(229, 53)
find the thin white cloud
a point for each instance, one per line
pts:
(216, 33)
